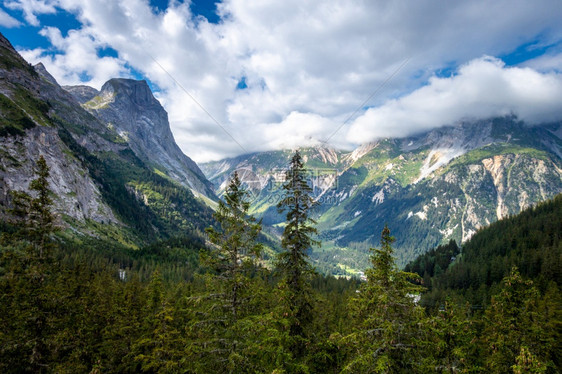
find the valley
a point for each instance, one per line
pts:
(438, 186)
(114, 158)
(280, 187)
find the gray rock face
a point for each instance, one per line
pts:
(82, 93)
(129, 107)
(94, 176)
(74, 192)
(14, 69)
(42, 71)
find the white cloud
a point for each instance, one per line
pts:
(482, 88)
(31, 8)
(307, 65)
(291, 133)
(8, 21)
(79, 60)
(546, 63)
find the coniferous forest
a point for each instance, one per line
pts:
(211, 304)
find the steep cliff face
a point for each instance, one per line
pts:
(129, 107)
(75, 193)
(99, 186)
(23, 88)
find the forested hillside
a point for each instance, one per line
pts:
(530, 241)
(180, 306)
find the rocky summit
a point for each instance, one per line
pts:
(124, 180)
(130, 108)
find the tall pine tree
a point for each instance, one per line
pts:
(32, 214)
(293, 262)
(42, 217)
(515, 333)
(387, 317)
(235, 248)
(229, 299)
(28, 301)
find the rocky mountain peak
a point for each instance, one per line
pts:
(130, 108)
(14, 70)
(327, 154)
(5, 43)
(137, 92)
(43, 73)
(35, 94)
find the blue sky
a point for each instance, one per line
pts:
(27, 36)
(282, 74)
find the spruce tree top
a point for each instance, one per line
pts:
(298, 203)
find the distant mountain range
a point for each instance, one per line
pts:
(440, 185)
(117, 173)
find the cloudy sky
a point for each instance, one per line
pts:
(241, 76)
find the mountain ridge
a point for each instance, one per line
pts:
(100, 187)
(432, 187)
(130, 107)
(439, 185)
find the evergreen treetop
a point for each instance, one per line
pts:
(235, 248)
(296, 295)
(297, 234)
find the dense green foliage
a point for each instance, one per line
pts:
(434, 262)
(293, 262)
(75, 307)
(228, 305)
(388, 320)
(530, 241)
(151, 204)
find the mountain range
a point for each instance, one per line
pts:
(117, 173)
(430, 188)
